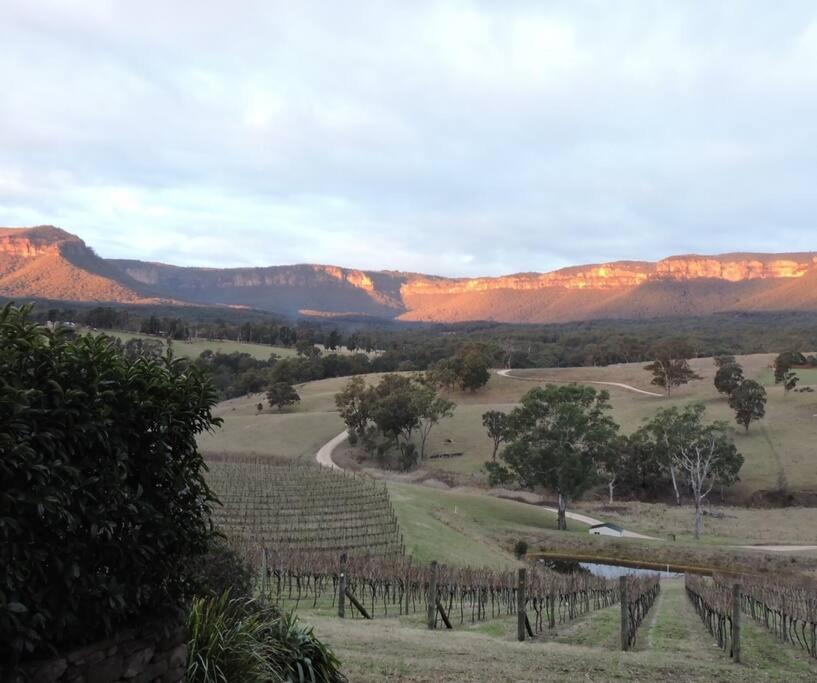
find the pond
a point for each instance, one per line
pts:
(613, 571)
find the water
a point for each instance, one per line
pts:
(613, 571)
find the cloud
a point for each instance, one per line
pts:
(459, 138)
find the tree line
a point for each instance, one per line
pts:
(563, 439)
(419, 345)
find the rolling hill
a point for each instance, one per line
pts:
(47, 262)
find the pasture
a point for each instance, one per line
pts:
(195, 347)
(778, 449)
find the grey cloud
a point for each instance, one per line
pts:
(459, 138)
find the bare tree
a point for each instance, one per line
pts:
(703, 453)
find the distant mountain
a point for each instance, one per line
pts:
(47, 262)
(50, 263)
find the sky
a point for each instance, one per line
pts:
(454, 138)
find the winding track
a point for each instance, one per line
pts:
(324, 454)
(324, 458)
(505, 373)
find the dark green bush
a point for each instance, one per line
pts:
(222, 569)
(520, 549)
(102, 497)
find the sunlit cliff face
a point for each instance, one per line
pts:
(18, 246)
(355, 278)
(615, 275)
(734, 271)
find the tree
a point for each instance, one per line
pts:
(281, 394)
(398, 408)
(670, 368)
(728, 378)
(643, 471)
(353, 406)
(560, 434)
(784, 363)
(430, 410)
(498, 426)
(724, 359)
(393, 409)
(703, 453)
(333, 340)
(664, 431)
(790, 380)
(307, 349)
(443, 374)
(611, 464)
(749, 402)
(473, 372)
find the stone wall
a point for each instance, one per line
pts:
(150, 653)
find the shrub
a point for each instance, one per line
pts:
(102, 497)
(222, 569)
(520, 549)
(234, 639)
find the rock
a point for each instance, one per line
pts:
(137, 661)
(49, 671)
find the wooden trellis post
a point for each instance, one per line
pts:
(342, 587)
(736, 623)
(552, 618)
(521, 601)
(625, 614)
(407, 586)
(432, 595)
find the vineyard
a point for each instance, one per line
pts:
(396, 586)
(294, 507)
(785, 608)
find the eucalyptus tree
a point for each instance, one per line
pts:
(559, 436)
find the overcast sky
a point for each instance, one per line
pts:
(461, 138)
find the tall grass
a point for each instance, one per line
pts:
(242, 640)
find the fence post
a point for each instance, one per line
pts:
(342, 587)
(264, 572)
(552, 618)
(406, 591)
(521, 601)
(736, 623)
(432, 595)
(625, 614)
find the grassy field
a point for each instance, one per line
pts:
(793, 525)
(777, 448)
(673, 645)
(296, 432)
(193, 349)
(465, 528)
(301, 431)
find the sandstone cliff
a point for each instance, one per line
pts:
(48, 262)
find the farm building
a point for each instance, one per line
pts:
(607, 529)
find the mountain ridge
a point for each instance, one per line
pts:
(48, 262)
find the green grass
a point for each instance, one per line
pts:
(672, 645)
(465, 528)
(779, 446)
(295, 432)
(193, 349)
